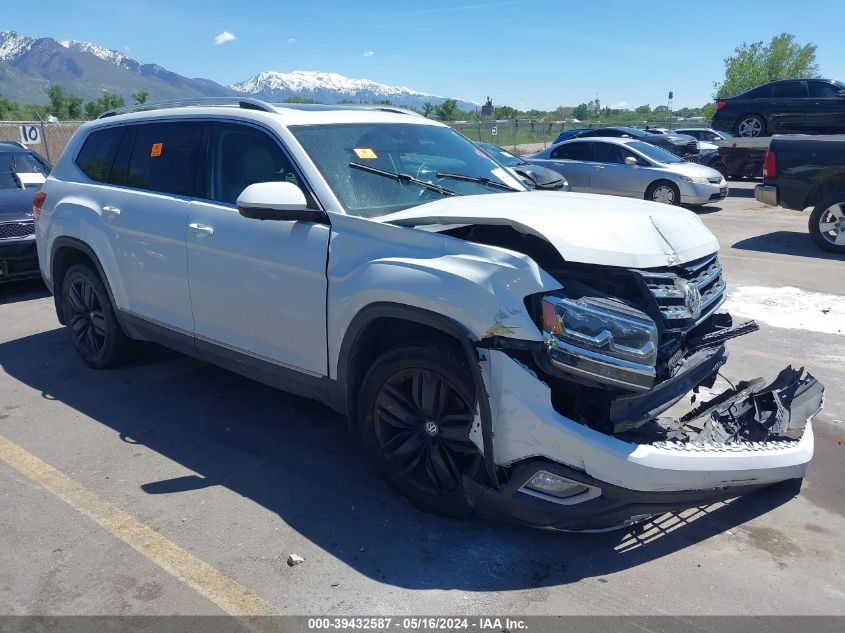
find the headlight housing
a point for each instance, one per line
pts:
(604, 340)
(699, 180)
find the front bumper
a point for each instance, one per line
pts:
(635, 478)
(694, 193)
(18, 259)
(767, 194)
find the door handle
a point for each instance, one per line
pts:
(202, 229)
(110, 210)
(598, 166)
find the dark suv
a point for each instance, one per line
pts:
(805, 106)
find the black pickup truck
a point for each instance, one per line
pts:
(801, 172)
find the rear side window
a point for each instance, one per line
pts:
(570, 151)
(791, 90)
(97, 154)
(607, 153)
(761, 92)
(164, 157)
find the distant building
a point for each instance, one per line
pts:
(487, 109)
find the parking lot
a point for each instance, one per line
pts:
(171, 486)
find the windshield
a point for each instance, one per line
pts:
(506, 158)
(379, 168)
(654, 153)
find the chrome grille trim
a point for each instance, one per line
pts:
(12, 230)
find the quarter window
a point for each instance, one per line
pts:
(97, 154)
(164, 157)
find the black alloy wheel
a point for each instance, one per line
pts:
(88, 313)
(418, 408)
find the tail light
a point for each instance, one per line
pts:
(720, 105)
(37, 203)
(770, 165)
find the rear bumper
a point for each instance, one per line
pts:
(18, 259)
(767, 194)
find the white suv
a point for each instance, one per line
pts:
(500, 349)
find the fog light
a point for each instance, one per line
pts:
(554, 485)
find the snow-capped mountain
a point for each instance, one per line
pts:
(30, 65)
(106, 54)
(13, 45)
(326, 87)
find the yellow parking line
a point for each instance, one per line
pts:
(228, 594)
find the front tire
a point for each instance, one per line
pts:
(751, 126)
(91, 321)
(663, 191)
(827, 223)
(416, 409)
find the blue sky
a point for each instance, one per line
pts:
(524, 53)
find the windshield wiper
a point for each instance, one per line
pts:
(479, 179)
(404, 178)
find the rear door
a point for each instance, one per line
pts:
(258, 288)
(826, 109)
(570, 159)
(608, 172)
(145, 209)
(789, 107)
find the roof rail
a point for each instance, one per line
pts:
(247, 103)
(387, 108)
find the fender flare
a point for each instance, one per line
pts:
(71, 242)
(448, 326)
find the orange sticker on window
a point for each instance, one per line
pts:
(365, 152)
(156, 150)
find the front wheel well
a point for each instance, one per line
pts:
(375, 338)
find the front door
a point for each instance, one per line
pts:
(826, 109)
(609, 174)
(257, 288)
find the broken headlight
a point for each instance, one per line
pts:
(601, 339)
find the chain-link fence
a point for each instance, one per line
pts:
(48, 139)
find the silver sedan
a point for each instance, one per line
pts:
(632, 168)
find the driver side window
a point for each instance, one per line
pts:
(240, 156)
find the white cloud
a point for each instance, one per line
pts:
(370, 54)
(291, 40)
(621, 105)
(224, 37)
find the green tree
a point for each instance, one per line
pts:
(447, 111)
(57, 97)
(707, 110)
(141, 97)
(428, 110)
(581, 112)
(757, 63)
(107, 101)
(644, 109)
(506, 112)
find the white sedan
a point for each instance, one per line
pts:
(632, 168)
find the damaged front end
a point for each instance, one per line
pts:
(585, 410)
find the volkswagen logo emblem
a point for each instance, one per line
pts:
(692, 297)
(430, 427)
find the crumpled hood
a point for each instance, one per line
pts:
(586, 228)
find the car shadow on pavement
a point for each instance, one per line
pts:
(14, 291)
(296, 458)
(704, 209)
(786, 243)
(740, 192)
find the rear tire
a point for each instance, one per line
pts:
(663, 191)
(827, 223)
(416, 408)
(751, 126)
(91, 321)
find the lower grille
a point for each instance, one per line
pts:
(11, 230)
(688, 293)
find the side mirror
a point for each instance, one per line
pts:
(631, 161)
(282, 201)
